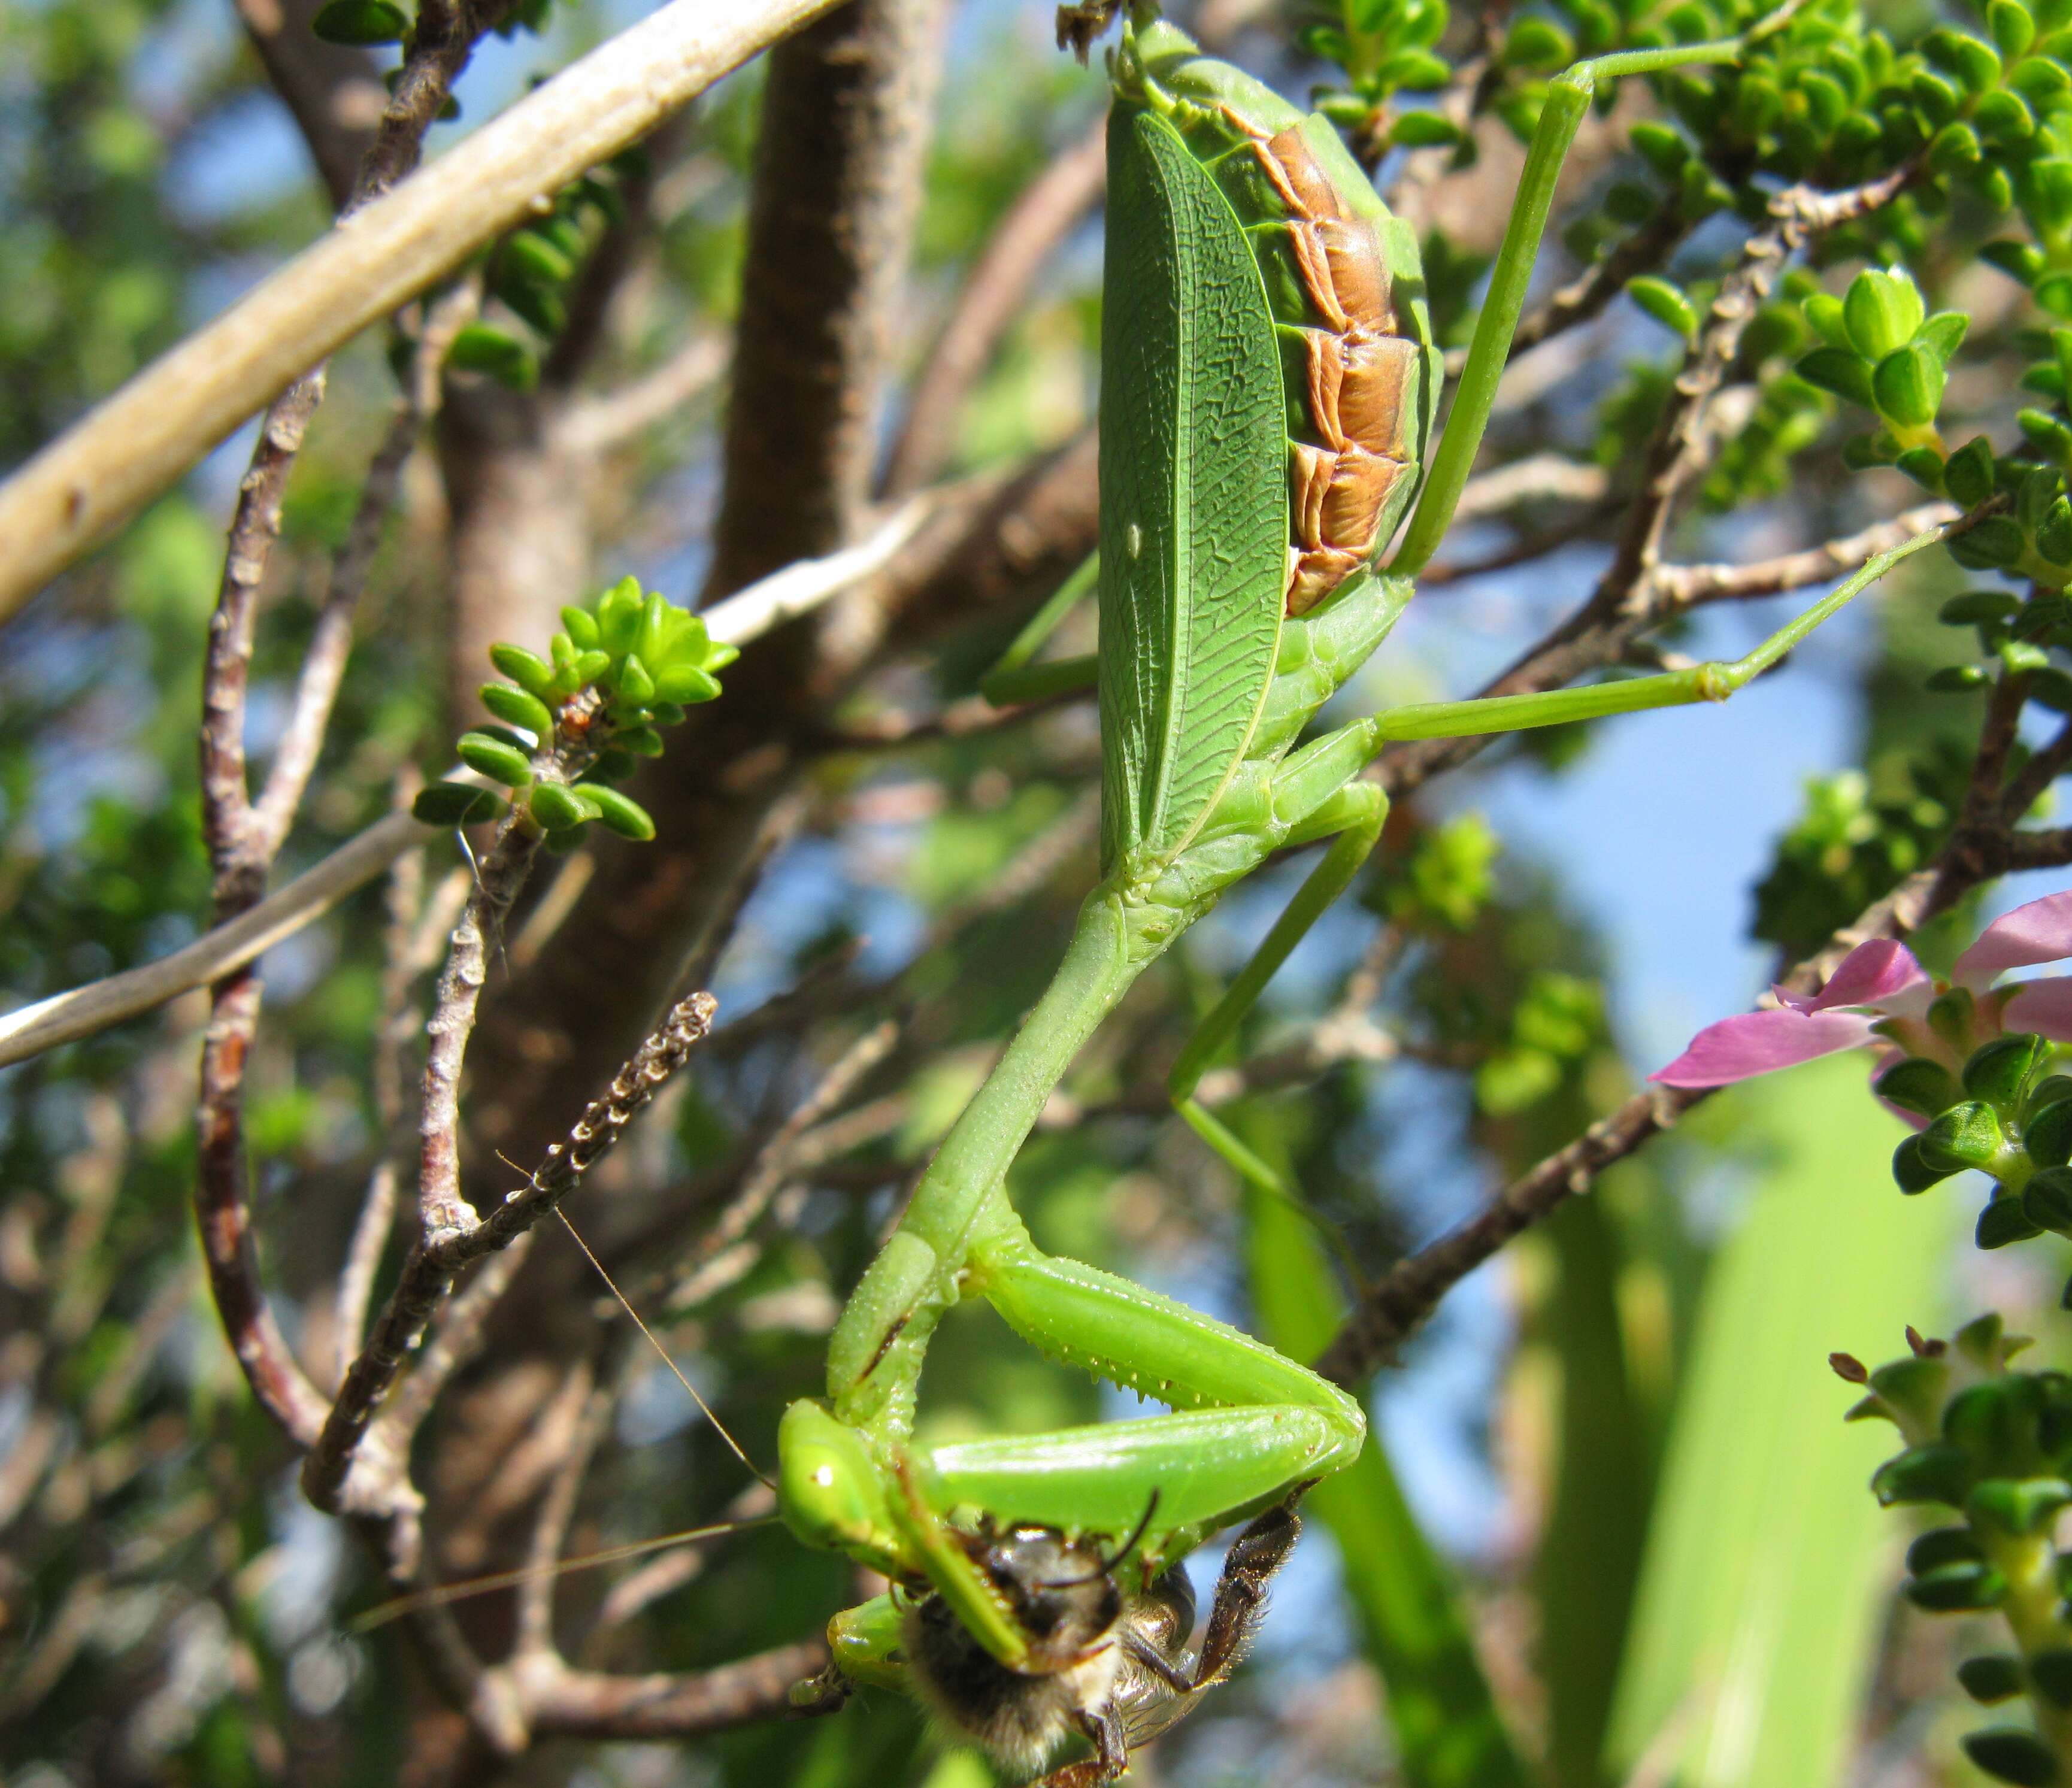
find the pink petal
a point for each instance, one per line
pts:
(2044, 1006)
(1872, 974)
(2040, 931)
(1760, 1042)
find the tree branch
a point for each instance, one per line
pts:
(1046, 211)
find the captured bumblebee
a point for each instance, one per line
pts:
(1107, 1660)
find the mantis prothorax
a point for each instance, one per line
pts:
(1269, 389)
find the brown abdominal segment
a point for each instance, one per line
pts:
(1357, 372)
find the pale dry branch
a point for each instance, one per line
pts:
(97, 474)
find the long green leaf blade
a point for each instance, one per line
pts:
(1447, 1727)
(1759, 1607)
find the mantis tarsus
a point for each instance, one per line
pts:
(1269, 391)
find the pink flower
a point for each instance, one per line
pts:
(1879, 997)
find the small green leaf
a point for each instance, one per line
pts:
(1995, 541)
(1907, 386)
(643, 742)
(1967, 474)
(2017, 1505)
(1882, 311)
(685, 683)
(635, 685)
(1965, 1136)
(1424, 130)
(1994, 1676)
(1917, 1084)
(1941, 1546)
(484, 348)
(1419, 70)
(1979, 608)
(1943, 334)
(580, 627)
(2051, 1672)
(1956, 149)
(454, 804)
(1666, 304)
(1924, 466)
(1840, 370)
(613, 765)
(518, 708)
(496, 759)
(1999, 1071)
(2048, 1199)
(557, 807)
(1824, 311)
(530, 673)
(1956, 680)
(1957, 1588)
(2009, 1753)
(1538, 44)
(2004, 1221)
(1661, 147)
(620, 813)
(1936, 1473)
(2013, 30)
(2047, 1135)
(1912, 1172)
(530, 256)
(360, 23)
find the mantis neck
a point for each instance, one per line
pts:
(874, 1354)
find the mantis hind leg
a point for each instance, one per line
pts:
(1355, 812)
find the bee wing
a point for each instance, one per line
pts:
(1151, 1708)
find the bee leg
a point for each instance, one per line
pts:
(1159, 1665)
(1110, 1759)
(1240, 1600)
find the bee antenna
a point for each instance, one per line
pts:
(1143, 1527)
(690, 1389)
(1109, 1564)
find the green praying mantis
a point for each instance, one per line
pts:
(1270, 388)
(1269, 393)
